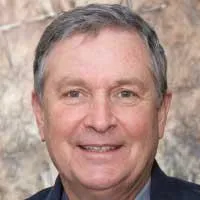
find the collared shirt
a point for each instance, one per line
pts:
(144, 194)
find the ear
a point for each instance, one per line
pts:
(163, 112)
(39, 113)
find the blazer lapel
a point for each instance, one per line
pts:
(56, 191)
(161, 185)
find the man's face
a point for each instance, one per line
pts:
(99, 115)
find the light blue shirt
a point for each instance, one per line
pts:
(144, 194)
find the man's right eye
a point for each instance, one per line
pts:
(73, 96)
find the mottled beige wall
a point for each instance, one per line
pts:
(24, 164)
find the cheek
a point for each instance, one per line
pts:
(62, 125)
(140, 123)
(140, 127)
(62, 120)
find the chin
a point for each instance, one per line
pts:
(99, 184)
(100, 180)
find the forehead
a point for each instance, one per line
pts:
(112, 51)
(110, 35)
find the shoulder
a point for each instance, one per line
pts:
(41, 195)
(185, 189)
(51, 193)
(166, 187)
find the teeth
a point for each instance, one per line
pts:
(99, 148)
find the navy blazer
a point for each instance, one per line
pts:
(162, 188)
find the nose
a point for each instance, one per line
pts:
(100, 117)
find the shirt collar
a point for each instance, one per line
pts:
(144, 194)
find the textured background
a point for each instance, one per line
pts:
(24, 164)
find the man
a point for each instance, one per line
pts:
(101, 101)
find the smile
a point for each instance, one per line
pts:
(99, 149)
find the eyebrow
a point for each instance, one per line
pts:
(131, 81)
(69, 81)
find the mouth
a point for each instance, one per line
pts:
(99, 148)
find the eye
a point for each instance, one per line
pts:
(74, 96)
(126, 94)
(73, 93)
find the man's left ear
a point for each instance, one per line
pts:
(162, 113)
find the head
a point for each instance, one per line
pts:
(100, 98)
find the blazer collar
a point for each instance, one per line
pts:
(161, 185)
(56, 191)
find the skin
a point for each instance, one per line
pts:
(99, 91)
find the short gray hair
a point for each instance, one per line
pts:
(91, 19)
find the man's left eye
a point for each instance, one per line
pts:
(127, 94)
